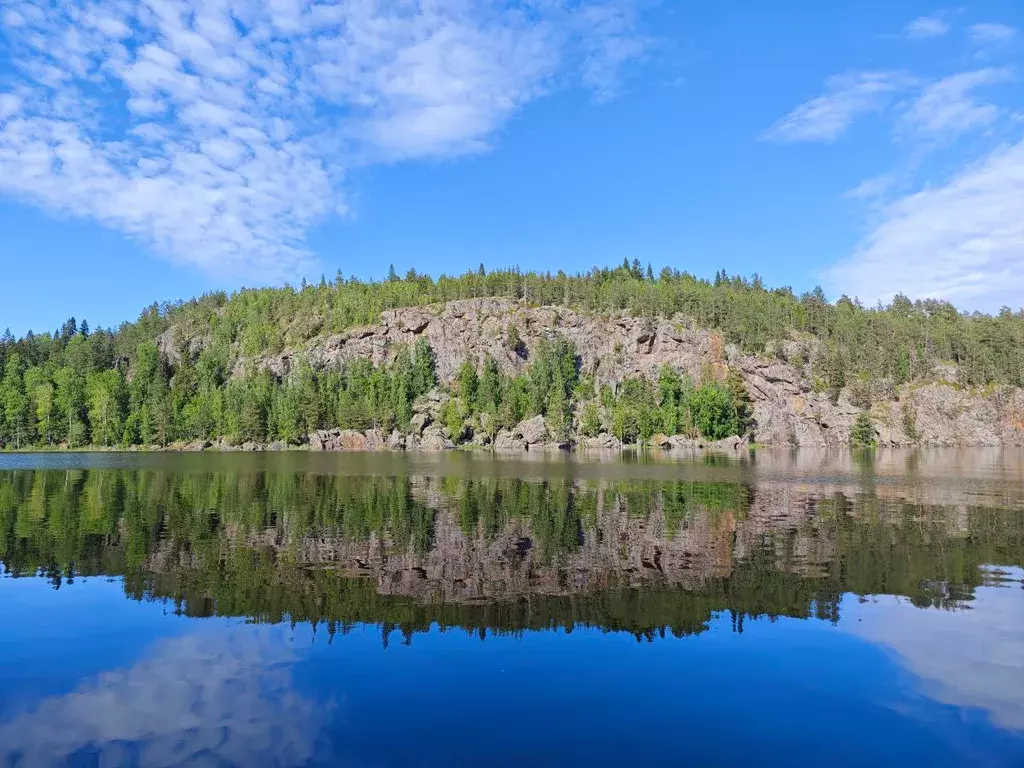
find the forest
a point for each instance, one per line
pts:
(77, 386)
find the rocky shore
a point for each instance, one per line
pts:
(530, 435)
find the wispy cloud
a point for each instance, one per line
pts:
(991, 34)
(958, 235)
(926, 26)
(873, 188)
(847, 96)
(962, 240)
(219, 132)
(949, 107)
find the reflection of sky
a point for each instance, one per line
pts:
(212, 697)
(124, 683)
(967, 658)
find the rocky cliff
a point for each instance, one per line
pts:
(788, 407)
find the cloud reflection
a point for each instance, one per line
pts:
(206, 698)
(967, 658)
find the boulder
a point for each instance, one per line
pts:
(419, 422)
(533, 430)
(435, 440)
(507, 441)
(277, 445)
(323, 439)
(350, 440)
(376, 440)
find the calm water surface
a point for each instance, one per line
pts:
(305, 609)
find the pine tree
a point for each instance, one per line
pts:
(742, 403)
(488, 392)
(14, 404)
(467, 383)
(590, 420)
(423, 376)
(863, 433)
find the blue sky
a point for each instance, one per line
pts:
(156, 149)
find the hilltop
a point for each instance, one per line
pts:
(510, 360)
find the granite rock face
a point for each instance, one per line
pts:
(787, 408)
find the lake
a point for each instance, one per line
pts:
(459, 609)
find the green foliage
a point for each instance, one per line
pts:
(590, 420)
(835, 372)
(713, 412)
(634, 412)
(467, 382)
(863, 433)
(553, 374)
(181, 390)
(453, 419)
(742, 403)
(424, 377)
(489, 389)
(106, 397)
(673, 407)
(15, 414)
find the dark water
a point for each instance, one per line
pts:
(300, 609)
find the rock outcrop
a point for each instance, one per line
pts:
(788, 408)
(342, 440)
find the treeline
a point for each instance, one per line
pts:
(85, 394)
(901, 342)
(108, 387)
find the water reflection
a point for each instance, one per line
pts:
(503, 554)
(215, 698)
(968, 658)
(883, 596)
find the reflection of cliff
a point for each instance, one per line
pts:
(497, 552)
(610, 548)
(776, 550)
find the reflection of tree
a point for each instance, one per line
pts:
(501, 554)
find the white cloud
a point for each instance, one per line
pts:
(962, 241)
(948, 107)
(926, 26)
(873, 188)
(223, 698)
(991, 34)
(615, 44)
(846, 97)
(219, 131)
